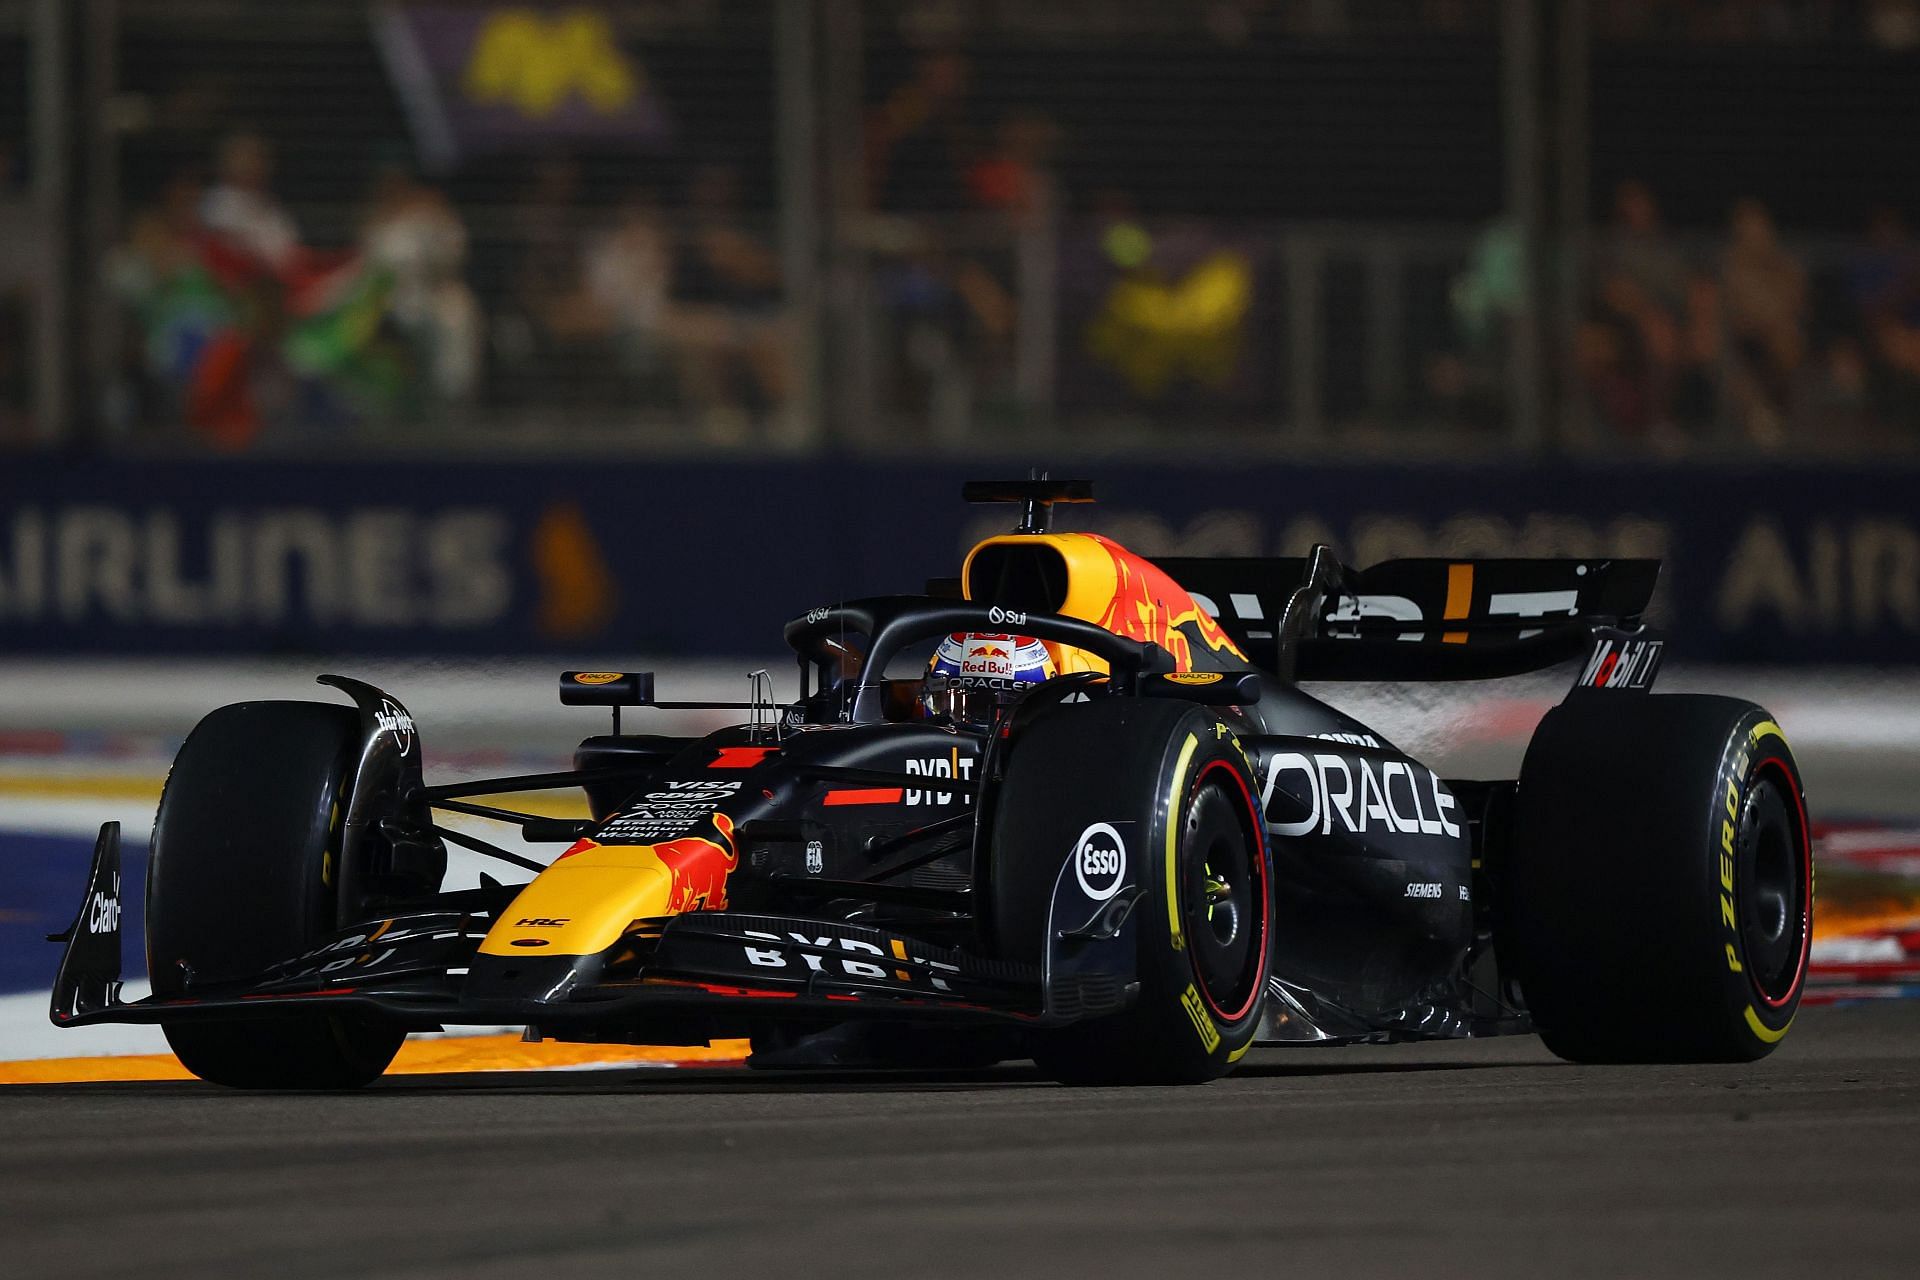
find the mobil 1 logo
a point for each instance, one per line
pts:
(1100, 861)
(1624, 660)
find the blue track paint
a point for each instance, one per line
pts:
(42, 879)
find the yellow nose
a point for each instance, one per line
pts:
(582, 904)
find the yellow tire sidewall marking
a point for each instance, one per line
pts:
(1767, 1034)
(1177, 934)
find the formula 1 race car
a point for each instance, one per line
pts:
(1073, 806)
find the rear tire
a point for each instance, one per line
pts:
(243, 874)
(1172, 779)
(1659, 899)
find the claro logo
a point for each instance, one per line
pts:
(103, 910)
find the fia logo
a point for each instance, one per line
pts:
(816, 858)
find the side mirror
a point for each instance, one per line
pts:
(606, 688)
(1209, 688)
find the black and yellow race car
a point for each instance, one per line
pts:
(1074, 806)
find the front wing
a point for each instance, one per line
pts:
(665, 976)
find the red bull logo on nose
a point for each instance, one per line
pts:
(589, 897)
(700, 868)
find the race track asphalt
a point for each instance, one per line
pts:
(1462, 1159)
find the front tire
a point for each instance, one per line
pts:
(244, 873)
(1171, 777)
(1660, 895)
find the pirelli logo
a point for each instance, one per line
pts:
(1197, 1014)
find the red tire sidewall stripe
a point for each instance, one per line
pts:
(1260, 864)
(1790, 784)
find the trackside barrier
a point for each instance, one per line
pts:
(681, 558)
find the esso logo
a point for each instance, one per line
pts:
(1006, 617)
(1100, 861)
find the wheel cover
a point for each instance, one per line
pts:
(1774, 879)
(1224, 892)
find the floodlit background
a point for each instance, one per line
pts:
(1348, 226)
(453, 341)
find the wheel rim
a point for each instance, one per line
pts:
(1224, 878)
(1774, 882)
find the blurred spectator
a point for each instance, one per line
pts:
(240, 207)
(728, 325)
(1467, 383)
(1015, 177)
(1643, 372)
(627, 273)
(950, 289)
(193, 364)
(1894, 24)
(1172, 315)
(918, 140)
(1883, 289)
(1765, 303)
(944, 314)
(1883, 280)
(549, 227)
(413, 235)
(1488, 294)
(1840, 399)
(305, 347)
(242, 329)
(1637, 248)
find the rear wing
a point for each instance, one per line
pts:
(1312, 618)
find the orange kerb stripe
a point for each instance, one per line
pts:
(1459, 599)
(416, 1057)
(867, 795)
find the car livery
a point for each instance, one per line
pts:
(1158, 852)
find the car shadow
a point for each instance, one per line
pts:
(730, 1080)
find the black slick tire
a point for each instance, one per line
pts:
(1658, 903)
(245, 859)
(1170, 779)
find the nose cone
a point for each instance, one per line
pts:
(556, 934)
(581, 904)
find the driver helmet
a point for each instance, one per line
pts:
(973, 673)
